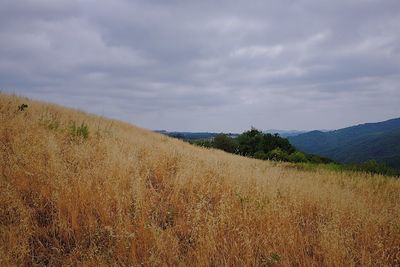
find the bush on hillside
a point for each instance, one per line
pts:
(79, 130)
(297, 156)
(260, 155)
(278, 155)
(224, 142)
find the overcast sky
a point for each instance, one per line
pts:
(207, 65)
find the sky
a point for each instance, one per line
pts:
(207, 65)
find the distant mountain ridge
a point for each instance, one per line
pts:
(210, 135)
(284, 133)
(370, 141)
(192, 135)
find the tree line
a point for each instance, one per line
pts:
(265, 146)
(256, 144)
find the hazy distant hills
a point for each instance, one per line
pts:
(379, 141)
(284, 133)
(192, 135)
(208, 135)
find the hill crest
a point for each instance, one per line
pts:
(78, 189)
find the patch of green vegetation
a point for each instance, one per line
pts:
(297, 156)
(256, 144)
(371, 166)
(274, 257)
(79, 130)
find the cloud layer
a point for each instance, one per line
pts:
(207, 65)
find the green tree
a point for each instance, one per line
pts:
(260, 155)
(254, 140)
(224, 142)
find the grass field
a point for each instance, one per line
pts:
(77, 189)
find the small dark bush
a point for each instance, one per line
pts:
(22, 107)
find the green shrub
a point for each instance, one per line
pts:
(260, 155)
(79, 131)
(297, 157)
(275, 257)
(277, 154)
(224, 142)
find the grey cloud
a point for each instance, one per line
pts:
(207, 65)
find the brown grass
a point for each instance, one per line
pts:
(126, 196)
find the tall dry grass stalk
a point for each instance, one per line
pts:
(126, 196)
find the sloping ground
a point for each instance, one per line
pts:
(126, 196)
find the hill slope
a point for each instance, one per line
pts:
(379, 141)
(77, 189)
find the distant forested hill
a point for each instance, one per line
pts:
(192, 135)
(379, 141)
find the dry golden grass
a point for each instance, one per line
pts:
(126, 196)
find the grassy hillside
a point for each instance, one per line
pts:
(377, 141)
(77, 189)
